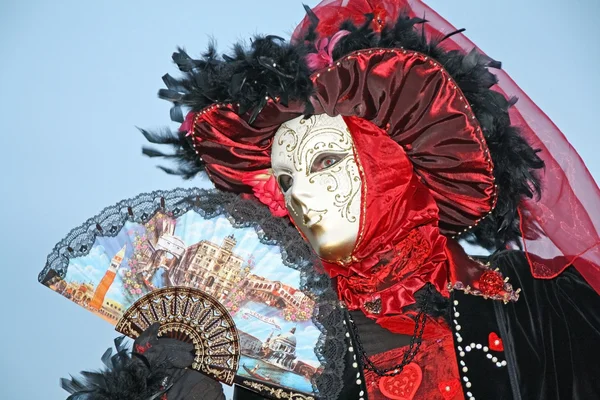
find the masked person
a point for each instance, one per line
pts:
(385, 142)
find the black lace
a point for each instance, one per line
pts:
(413, 348)
(327, 316)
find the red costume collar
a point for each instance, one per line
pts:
(400, 247)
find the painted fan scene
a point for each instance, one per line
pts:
(273, 317)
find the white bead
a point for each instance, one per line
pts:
(494, 359)
(468, 348)
(458, 327)
(447, 388)
(478, 346)
(455, 322)
(468, 384)
(469, 394)
(496, 342)
(358, 374)
(503, 363)
(350, 349)
(347, 334)
(362, 392)
(462, 353)
(358, 381)
(471, 398)
(456, 314)
(472, 344)
(485, 348)
(355, 365)
(455, 302)
(465, 379)
(489, 356)
(459, 348)
(465, 369)
(459, 339)
(462, 363)
(498, 364)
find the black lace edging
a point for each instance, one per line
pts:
(327, 317)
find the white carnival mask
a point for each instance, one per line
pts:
(314, 162)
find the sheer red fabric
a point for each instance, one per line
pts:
(560, 229)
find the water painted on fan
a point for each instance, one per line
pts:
(272, 315)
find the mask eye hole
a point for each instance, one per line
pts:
(285, 182)
(325, 161)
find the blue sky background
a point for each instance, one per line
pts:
(76, 77)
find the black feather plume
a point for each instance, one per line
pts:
(271, 67)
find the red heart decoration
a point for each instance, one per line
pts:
(448, 389)
(495, 342)
(404, 385)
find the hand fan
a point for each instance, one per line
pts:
(213, 269)
(189, 315)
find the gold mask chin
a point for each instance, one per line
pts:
(313, 161)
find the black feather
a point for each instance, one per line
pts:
(246, 75)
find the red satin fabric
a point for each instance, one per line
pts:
(230, 147)
(563, 227)
(400, 247)
(413, 99)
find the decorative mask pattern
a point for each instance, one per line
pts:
(314, 162)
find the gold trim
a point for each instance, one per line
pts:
(277, 393)
(193, 316)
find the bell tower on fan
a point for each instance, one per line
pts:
(107, 280)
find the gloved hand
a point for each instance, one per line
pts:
(157, 369)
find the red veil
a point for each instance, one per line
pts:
(562, 227)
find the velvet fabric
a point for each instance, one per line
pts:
(552, 333)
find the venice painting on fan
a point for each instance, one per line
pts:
(349, 162)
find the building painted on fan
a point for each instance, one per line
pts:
(163, 249)
(280, 350)
(275, 293)
(107, 280)
(250, 345)
(212, 267)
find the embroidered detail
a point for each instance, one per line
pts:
(276, 392)
(495, 342)
(373, 307)
(491, 285)
(448, 389)
(403, 386)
